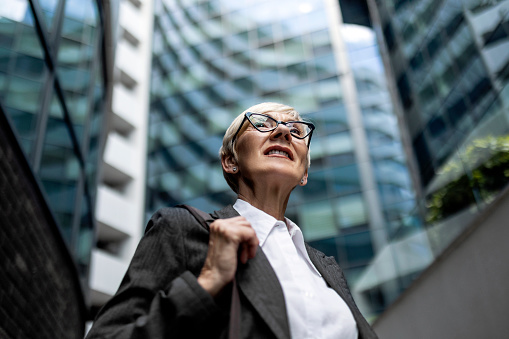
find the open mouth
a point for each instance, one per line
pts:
(278, 151)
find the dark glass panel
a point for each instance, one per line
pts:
(454, 24)
(457, 111)
(76, 58)
(7, 32)
(357, 248)
(245, 85)
(480, 90)
(497, 34)
(27, 42)
(466, 56)
(423, 156)
(434, 46)
(345, 179)
(60, 169)
(29, 67)
(22, 71)
(409, 32)
(436, 126)
(417, 61)
(317, 184)
(85, 237)
(94, 135)
(389, 36)
(22, 101)
(327, 246)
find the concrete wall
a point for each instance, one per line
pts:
(465, 293)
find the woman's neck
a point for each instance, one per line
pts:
(272, 201)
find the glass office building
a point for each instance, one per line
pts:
(450, 61)
(214, 59)
(52, 89)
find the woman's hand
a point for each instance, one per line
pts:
(226, 235)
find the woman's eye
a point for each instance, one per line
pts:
(296, 131)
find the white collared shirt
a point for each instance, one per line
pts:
(314, 309)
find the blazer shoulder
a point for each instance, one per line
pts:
(170, 218)
(225, 213)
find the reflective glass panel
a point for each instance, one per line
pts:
(60, 170)
(22, 70)
(48, 9)
(317, 220)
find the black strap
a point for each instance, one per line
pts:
(234, 331)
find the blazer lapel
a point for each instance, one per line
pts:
(259, 284)
(329, 271)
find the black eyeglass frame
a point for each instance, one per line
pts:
(248, 114)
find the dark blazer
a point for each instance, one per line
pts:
(160, 297)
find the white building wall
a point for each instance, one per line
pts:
(121, 195)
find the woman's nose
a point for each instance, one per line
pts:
(282, 131)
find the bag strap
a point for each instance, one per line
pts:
(202, 217)
(234, 331)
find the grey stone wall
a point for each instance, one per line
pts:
(40, 293)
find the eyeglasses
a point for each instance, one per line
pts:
(264, 123)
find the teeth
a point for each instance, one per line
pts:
(275, 151)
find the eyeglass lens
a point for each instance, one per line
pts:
(266, 123)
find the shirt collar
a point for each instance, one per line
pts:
(264, 223)
(261, 222)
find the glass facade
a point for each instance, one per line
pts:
(52, 88)
(451, 64)
(214, 59)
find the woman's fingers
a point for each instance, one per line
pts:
(226, 235)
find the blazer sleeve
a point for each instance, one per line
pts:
(159, 296)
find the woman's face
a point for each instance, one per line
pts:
(275, 155)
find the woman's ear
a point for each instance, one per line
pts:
(304, 179)
(229, 164)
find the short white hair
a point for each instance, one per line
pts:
(228, 150)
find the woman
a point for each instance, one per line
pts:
(179, 281)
